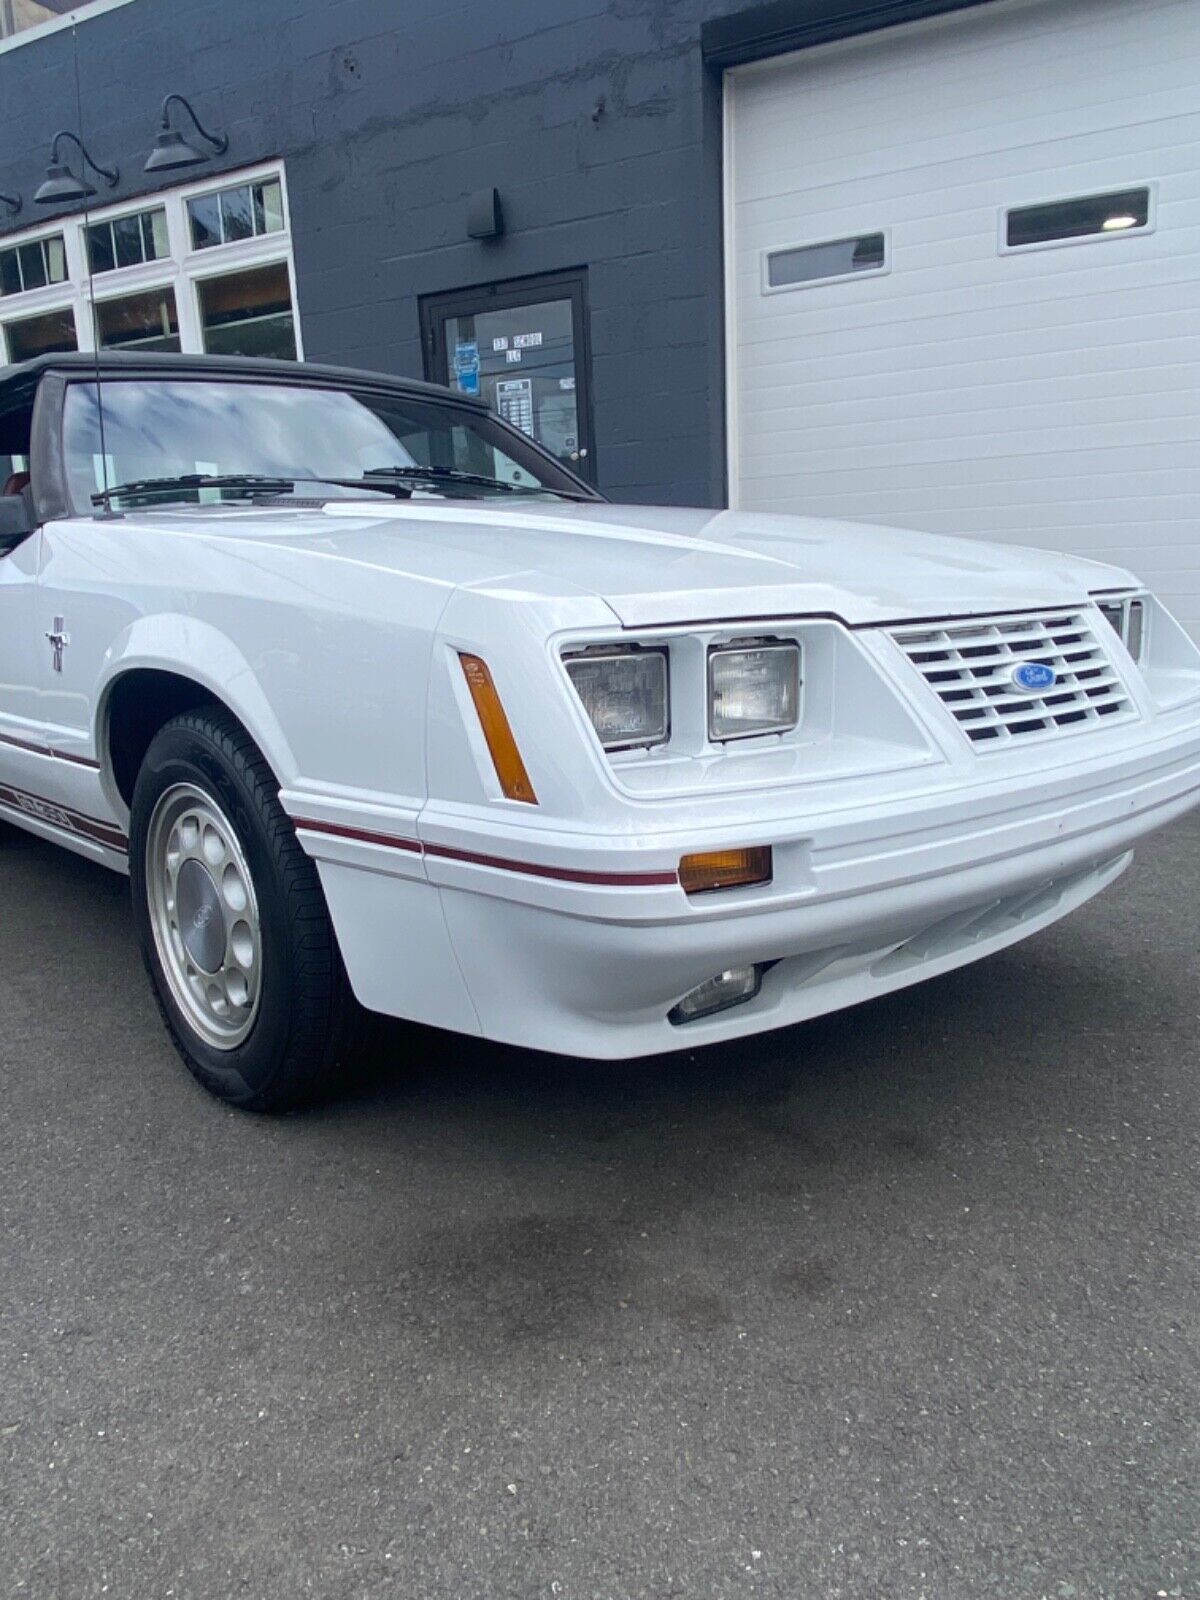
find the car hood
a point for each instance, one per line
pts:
(655, 565)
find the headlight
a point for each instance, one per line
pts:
(624, 693)
(753, 689)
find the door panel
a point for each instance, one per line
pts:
(85, 584)
(523, 348)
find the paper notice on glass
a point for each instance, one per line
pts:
(514, 401)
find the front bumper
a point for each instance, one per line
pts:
(553, 940)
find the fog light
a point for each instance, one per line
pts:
(730, 988)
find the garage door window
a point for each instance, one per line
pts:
(805, 265)
(1089, 216)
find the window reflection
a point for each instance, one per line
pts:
(156, 429)
(139, 322)
(52, 332)
(249, 313)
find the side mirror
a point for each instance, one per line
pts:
(17, 521)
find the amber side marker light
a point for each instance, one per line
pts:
(725, 869)
(506, 758)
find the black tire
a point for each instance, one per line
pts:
(307, 1023)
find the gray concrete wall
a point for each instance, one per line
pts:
(388, 113)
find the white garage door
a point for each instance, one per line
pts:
(943, 357)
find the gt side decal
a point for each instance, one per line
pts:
(63, 818)
(534, 869)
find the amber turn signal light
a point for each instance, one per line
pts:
(725, 869)
(506, 758)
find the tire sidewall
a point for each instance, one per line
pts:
(184, 756)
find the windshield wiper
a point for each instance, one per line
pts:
(379, 480)
(455, 475)
(247, 482)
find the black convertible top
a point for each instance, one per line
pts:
(18, 383)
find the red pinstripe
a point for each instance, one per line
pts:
(533, 869)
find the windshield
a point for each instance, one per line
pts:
(167, 429)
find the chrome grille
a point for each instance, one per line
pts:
(969, 667)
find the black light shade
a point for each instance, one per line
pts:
(61, 186)
(12, 201)
(172, 151)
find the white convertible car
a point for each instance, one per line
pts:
(374, 701)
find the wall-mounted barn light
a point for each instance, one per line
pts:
(172, 150)
(61, 185)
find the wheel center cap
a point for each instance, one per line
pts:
(201, 919)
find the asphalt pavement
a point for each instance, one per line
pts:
(898, 1304)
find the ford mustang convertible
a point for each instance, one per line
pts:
(381, 708)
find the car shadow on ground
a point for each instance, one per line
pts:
(926, 1242)
(1027, 1011)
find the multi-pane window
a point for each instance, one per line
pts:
(248, 313)
(202, 269)
(243, 212)
(34, 265)
(129, 241)
(48, 334)
(146, 321)
(20, 16)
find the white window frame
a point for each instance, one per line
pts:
(95, 219)
(82, 13)
(1099, 237)
(180, 270)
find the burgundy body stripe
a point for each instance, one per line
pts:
(563, 874)
(53, 755)
(23, 744)
(503, 863)
(341, 831)
(76, 761)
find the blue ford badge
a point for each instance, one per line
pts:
(1034, 675)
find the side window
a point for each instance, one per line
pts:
(14, 450)
(16, 512)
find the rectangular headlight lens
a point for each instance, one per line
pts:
(753, 690)
(625, 695)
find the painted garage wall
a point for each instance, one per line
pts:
(1049, 398)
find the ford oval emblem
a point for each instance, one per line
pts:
(1034, 675)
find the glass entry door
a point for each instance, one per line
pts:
(522, 348)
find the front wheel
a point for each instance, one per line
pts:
(233, 924)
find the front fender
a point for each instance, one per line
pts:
(190, 648)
